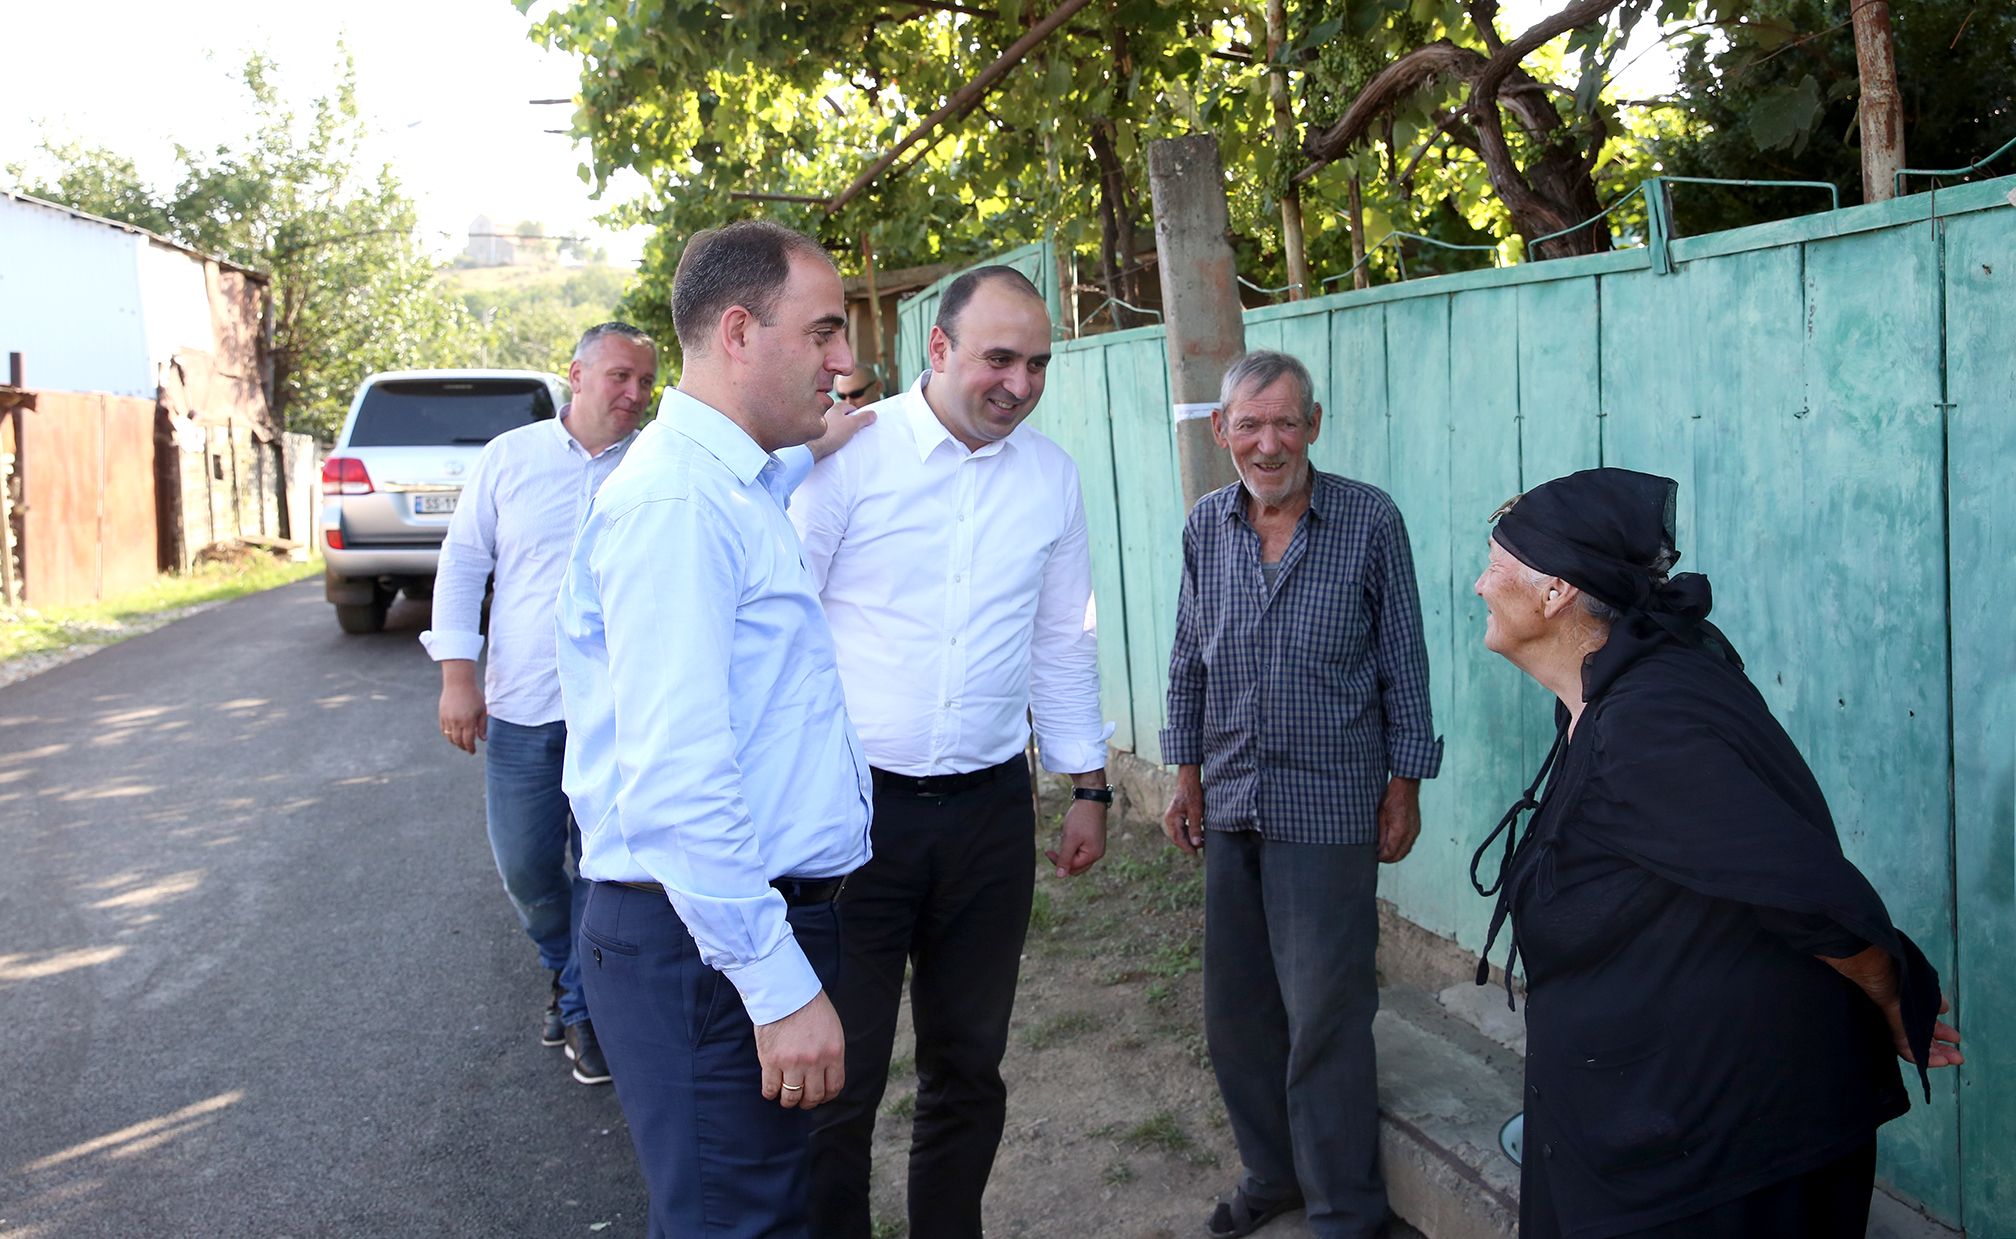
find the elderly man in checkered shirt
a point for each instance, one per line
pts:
(1300, 727)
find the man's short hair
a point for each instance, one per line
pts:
(1261, 369)
(746, 264)
(952, 303)
(636, 335)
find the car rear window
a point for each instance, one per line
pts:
(437, 412)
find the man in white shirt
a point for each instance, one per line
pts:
(948, 544)
(515, 521)
(722, 794)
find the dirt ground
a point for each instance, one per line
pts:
(1115, 1128)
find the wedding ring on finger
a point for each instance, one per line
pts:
(794, 1088)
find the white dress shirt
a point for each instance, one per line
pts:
(516, 518)
(959, 588)
(708, 747)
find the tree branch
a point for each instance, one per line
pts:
(967, 96)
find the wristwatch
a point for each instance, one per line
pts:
(1104, 795)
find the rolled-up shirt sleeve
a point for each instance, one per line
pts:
(679, 787)
(1064, 653)
(1183, 736)
(468, 557)
(1400, 654)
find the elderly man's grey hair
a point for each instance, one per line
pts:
(636, 335)
(1261, 369)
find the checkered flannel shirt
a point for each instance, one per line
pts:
(1300, 702)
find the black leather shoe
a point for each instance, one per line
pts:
(586, 1054)
(1241, 1216)
(554, 1031)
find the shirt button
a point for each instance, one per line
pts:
(953, 641)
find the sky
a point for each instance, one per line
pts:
(444, 83)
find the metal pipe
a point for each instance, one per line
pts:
(1832, 189)
(1976, 166)
(1138, 309)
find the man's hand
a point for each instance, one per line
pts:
(1083, 840)
(463, 719)
(841, 425)
(804, 1055)
(1874, 970)
(1399, 819)
(1184, 822)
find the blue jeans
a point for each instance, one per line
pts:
(533, 837)
(719, 1160)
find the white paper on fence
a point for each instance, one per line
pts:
(1185, 412)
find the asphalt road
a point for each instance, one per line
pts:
(257, 974)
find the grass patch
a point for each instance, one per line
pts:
(1043, 914)
(889, 1228)
(1060, 1028)
(1159, 993)
(903, 1068)
(904, 1107)
(25, 630)
(1116, 1173)
(1174, 958)
(1159, 1132)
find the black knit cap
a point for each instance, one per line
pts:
(1608, 532)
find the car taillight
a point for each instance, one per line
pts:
(345, 475)
(335, 537)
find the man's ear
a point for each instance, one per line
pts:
(732, 332)
(574, 372)
(1315, 422)
(1218, 428)
(939, 349)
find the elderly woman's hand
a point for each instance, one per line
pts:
(1873, 970)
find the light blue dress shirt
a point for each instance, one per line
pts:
(708, 745)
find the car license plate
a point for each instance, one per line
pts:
(434, 505)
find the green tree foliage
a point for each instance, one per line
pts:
(711, 99)
(1769, 89)
(535, 325)
(353, 290)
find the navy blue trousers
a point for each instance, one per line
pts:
(718, 1159)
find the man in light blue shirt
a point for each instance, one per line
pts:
(720, 790)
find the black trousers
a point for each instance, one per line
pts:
(948, 893)
(1830, 1202)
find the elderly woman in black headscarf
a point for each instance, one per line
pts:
(1716, 998)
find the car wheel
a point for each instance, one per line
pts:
(362, 617)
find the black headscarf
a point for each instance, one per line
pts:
(1609, 533)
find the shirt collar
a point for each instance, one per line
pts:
(929, 432)
(572, 444)
(711, 429)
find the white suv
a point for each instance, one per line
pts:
(390, 484)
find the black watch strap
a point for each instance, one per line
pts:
(1104, 795)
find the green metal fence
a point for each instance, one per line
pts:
(1837, 396)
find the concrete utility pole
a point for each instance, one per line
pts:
(1882, 106)
(1200, 299)
(1284, 128)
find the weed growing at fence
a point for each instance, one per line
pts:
(28, 630)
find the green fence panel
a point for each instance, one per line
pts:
(1355, 437)
(1074, 411)
(1980, 275)
(1150, 500)
(1790, 376)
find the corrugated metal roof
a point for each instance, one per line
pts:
(122, 226)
